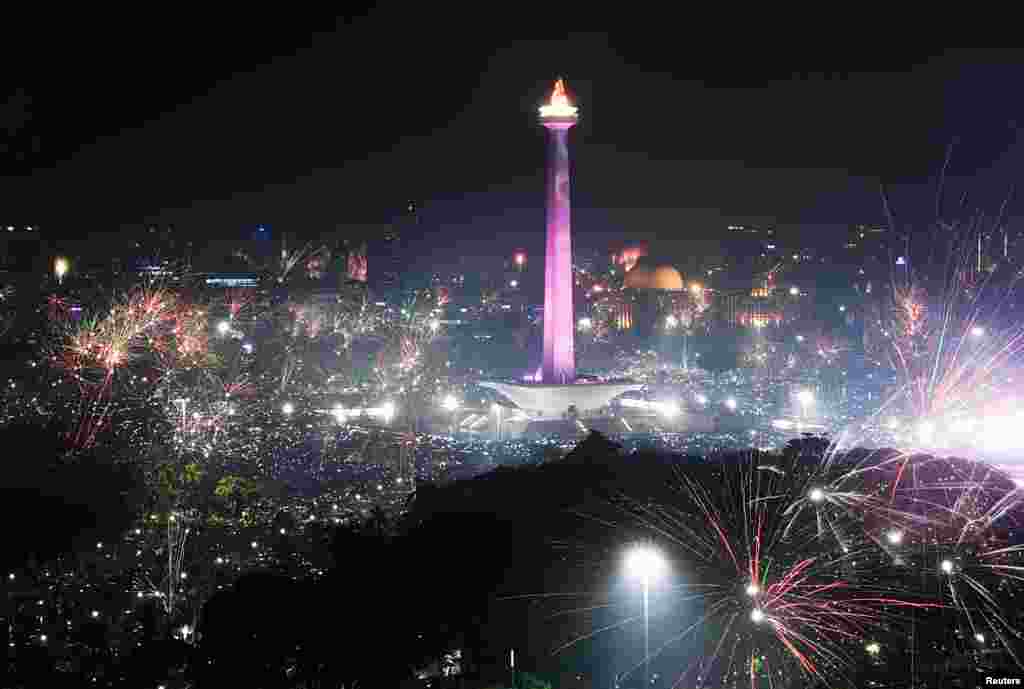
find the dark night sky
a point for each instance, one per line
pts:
(314, 124)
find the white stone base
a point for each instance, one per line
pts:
(552, 401)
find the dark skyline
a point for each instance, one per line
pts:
(320, 124)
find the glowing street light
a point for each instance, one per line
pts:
(806, 399)
(731, 403)
(60, 268)
(647, 564)
(695, 288)
(873, 648)
(925, 432)
(794, 291)
(756, 615)
(977, 331)
(434, 325)
(387, 410)
(816, 495)
(946, 566)
(223, 328)
(979, 637)
(701, 399)
(287, 408)
(895, 537)
(753, 589)
(450, 403)
(497, 409)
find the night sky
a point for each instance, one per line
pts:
(324, 124)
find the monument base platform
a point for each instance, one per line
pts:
(553, 401)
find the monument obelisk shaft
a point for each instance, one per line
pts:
(559, 363)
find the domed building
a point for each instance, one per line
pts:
(657, 277)
(647, 285)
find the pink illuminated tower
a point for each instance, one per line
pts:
(559, 363)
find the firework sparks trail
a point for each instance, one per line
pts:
(787, 577)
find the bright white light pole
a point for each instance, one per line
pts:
(451, 405)
(60, 269)
(806, 399)
(496, 408)
(647, 564)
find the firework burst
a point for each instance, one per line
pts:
(784, 567)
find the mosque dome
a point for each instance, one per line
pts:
(647, 276)
(666, 277)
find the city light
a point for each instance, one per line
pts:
(701, 399)
(731, 403)
(794, 291)
(247, 347)
(925, 432)
(816, 495)
(287, 408)
(946, 566)
(223, 328)
(668, 409)
(645, 562)
(450, 403)
(434, 325)
(979, 637)
(585, 324)
(756, 615)
(895, 537)
(695, 288)
(60, 268)
(799, 338)
(671, 321)
(753, 589)
(387, 411)
(805, 397)
(513, 283)
(873, 648)
(519, 258)
(977, 331)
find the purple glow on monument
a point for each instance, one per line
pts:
(559, 363)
